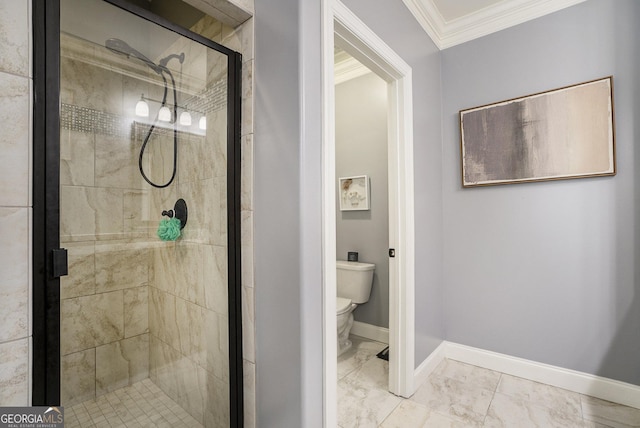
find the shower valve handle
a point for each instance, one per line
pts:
(179, 211)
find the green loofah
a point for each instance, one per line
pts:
(169, 230)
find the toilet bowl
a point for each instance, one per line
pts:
(344, 311)
(354, 281)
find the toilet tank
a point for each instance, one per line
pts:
(354, 280)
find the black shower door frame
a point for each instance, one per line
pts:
(46, 203)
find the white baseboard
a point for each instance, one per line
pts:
(582, 383)
(370, 331)
(428, 366)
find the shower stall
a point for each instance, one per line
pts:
(136, 286)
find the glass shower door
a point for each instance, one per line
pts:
(146, 204)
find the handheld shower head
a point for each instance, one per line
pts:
(121, 47)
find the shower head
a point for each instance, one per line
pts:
(121, 47)
(164, 61)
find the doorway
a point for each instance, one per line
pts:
(362, 226)
(342, 28)
(136, 175)
(362, 222)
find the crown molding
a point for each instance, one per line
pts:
(446, 34)
(429, 17)
(347, 69)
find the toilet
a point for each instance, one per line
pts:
(354, 281)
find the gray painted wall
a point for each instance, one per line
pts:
(288, 226)
(394, 24)
(544, 271)
(312, 325)
(361, 149)
(547, 271)
(287, 140)
(277, 233)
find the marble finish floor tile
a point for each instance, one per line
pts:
(374, 374)
(363, 397)
(411, 414)
(361, 351)
(469, 374)
(609, 414)
(539, 394)
(458, 395)
(364, 407)
(142, 404)
(454, 398)
(506, 411)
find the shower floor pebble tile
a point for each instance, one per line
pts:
(141, 405)
(459, 395)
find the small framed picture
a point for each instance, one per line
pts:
(354, 193)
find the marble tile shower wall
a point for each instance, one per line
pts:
(132, 306)
(15, 202)
(241, 39)
(88, 253)
(113, 333)
(157, 309)
(188, 285)
(105, 225)
(185, 358)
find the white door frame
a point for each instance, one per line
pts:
(342, 27)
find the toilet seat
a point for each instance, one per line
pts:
(342, 305)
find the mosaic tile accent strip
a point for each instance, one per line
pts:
(84, 119)
(214, 98)
(88, 120)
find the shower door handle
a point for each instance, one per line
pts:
(59, 262)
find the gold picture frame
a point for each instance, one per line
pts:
(559, 134)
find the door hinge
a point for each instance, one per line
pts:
(59, 262)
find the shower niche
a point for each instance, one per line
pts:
(148, 115)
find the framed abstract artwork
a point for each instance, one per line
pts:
(558, 134)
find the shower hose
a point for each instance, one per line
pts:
(163, 70)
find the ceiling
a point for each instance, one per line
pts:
(451, 22)
(452, 9)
